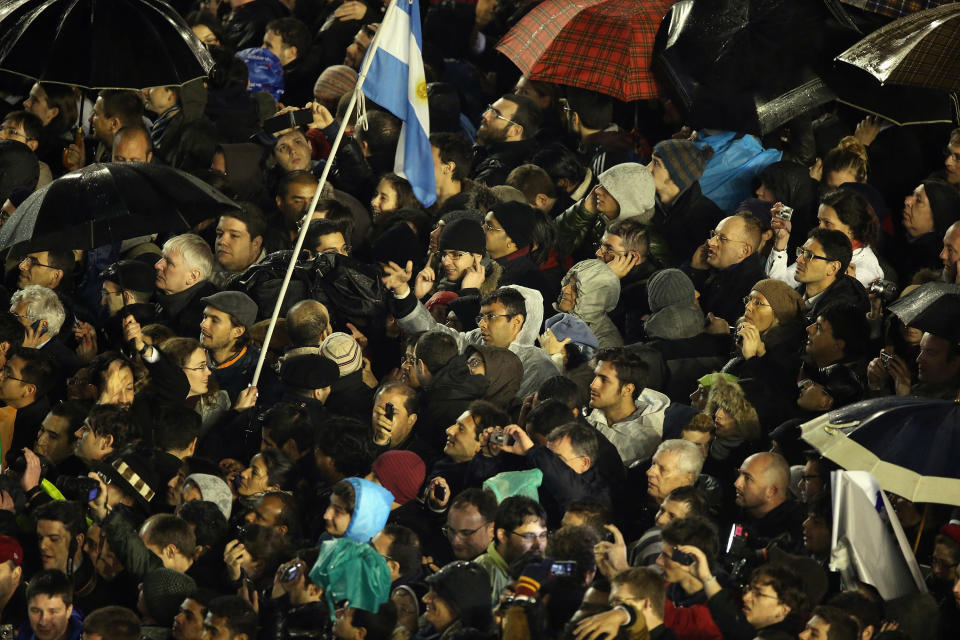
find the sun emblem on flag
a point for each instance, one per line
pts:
(422, 90)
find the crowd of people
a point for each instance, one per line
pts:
(562, 401)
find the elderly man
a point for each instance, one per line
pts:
(183, 280)
(42, 315)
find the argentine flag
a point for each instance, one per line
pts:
(395, 81)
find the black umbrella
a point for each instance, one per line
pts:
(933, 307)
(115, 44)
(900, 105)
(106, 203)
(742, 65)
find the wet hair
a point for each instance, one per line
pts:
(594, 513)
(251, 216)
(853, 210)
(113, 420)
(692, 497)
(31, 123)
(209, 524)
(299, 177)
(836, 246)
(50, 583)
(278, 466)
(323, 227)
(630, 368)
(512, 300)
(697, 531)
(454, 148)
(594, 109)
(633, 232)
(848, 154)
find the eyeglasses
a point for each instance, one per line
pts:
(607, 250)
(33, 262)
(454, 255)
(939, 563)
(487, 318)
(105, 292)
(947, 153)
(8, 374)
(486, 226)
(474, 362)
(409, 361)
(808, 478)
(756, 301)
(808, 255)
(755, 590)
(13, 132)
(200, 368)
(532, 537)
(500, 116)
(461, 533)
(617, 602)
(722, 239)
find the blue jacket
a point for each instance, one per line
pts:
(74, 628)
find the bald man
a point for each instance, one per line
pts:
(767, 510)
(726, 266)
(132, 144)
(308, 323)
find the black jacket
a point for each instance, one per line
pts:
(183, 312)
(844, 289)
(686, 222)
(633, 304)
(722, 292)
(26, 424)
(282, 621)
(350, 396)
(492, 165)
(734, 626)
(248, 23)
(445, 397)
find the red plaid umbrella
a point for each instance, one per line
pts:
(920, 50)
(599, 45)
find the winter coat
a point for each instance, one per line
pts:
(447, 395)
(350, 396)
(493, 164)
(844, 289)
(598, 290)
(864, 261)
(504, 372)
(638, 435)
(722, 292)
(633, 306)
(519, 268)
(687, 359)
(537, 365)
(248, 23)
(686, 222)
(183, 311)
(310, 621)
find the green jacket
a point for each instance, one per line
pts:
(494, 564)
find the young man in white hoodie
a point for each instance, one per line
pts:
(627, 413)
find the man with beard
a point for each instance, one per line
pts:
(505, 138)
(950, 255)
(224, 333)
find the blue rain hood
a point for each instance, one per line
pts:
(371, 508)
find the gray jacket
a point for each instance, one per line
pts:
(537, 365)
(598, 290)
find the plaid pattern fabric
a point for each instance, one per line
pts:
(599, 45)
(895, 8)
(920, 50)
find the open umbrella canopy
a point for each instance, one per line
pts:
(919, 50)
(933, 307)
(894, 8)
(100, 44)
(599, 45)
(910, 444)
(110, 202)
(742, 65)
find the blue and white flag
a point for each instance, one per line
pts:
(396, 81)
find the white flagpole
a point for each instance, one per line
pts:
(368, 59)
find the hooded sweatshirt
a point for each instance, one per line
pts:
(637, 436)
(371, 507)
(631, 185)
(537, 365)
(598, 290)
(504, 371)
(674, 311)
(215, 490)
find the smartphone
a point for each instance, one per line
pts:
(686, 559)
(247, 582)
(289, 120)
(885, 358)
(389, 411)
(291, 573)
(440, 493)
(565, 568)
(36, 324)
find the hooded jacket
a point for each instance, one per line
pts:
(674, 313)
(598, 291)
(504, 371)
(638, 435)
(371, 507)
(447, 395)
(213, 489)
(630, 184)
(537, 365)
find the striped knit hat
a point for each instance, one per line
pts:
(684, 160)
(344, 351)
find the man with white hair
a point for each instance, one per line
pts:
(676, 463)
(183, 280)
(768, 511)
(42, 315)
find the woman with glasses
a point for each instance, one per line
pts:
(204, 395)
(842, 210)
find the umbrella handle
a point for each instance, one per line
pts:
(923, 521)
